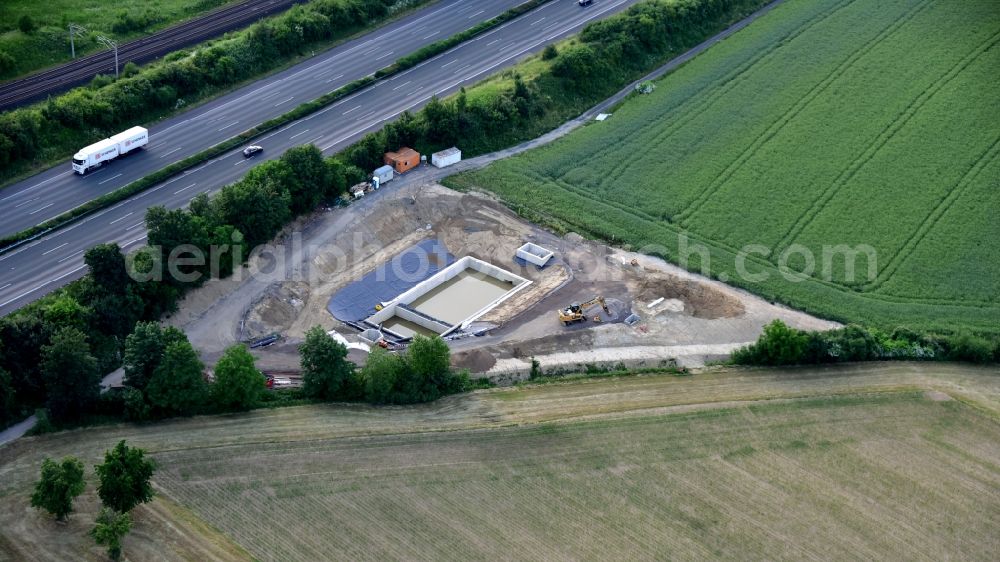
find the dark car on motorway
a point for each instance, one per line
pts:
(251, 150)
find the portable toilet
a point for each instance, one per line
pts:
(383, 174)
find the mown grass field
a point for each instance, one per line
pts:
(822, 124)
(875, 461)
(49, 43)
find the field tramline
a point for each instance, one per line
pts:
(849, 124)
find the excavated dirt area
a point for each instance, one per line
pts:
(679, 317)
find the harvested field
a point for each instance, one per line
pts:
(877, 461)
(853, 142)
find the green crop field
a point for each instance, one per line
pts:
(871, 461)
(824, 128)
(48, 43)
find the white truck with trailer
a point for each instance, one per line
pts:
(95, 155)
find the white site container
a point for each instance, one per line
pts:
(93, 156)
(535, 254)
(383, 174)
(446, 157)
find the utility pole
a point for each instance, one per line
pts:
(78, 29)
(111, 45)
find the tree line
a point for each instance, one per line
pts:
(781, 344)
(68, 121)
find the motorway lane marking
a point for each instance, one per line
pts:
(432, 35)
(297, 134)
(475, 14)
(56, 248)
(605, 10)
(401, 85)
(538, 21)
(74, 254)
(284, 101)
(28, 202)
(417, 89)
(351, 109)
(42, 209)
(183, 188)
(492, 66)
(285, 128)
(366, 115)
(5, 286)
(229, 125)
(383, 56)
(550, 25)
(39, 184)
(172, 126)
(140, 223)
(239, 162)
(109, 179)
(446, 64)
(481, 71)
(130, 242)
(121, 218)
(460, 69)
(165, 154)
(492, 42)
(26, 293)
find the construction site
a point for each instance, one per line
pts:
(418, 258)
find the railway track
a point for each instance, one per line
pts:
(61, 78)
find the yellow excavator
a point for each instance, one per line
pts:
(576, 312)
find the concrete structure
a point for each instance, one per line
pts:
(371, 335)
(534, 254)
(446, 157)
(448, 300)
(403, 160)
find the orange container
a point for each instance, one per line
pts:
(403, 160)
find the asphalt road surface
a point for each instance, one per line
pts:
(57, 190)
(30, 272)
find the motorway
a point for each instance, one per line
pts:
(50, 262)
(57, 190)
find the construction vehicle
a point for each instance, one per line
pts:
(576, 312)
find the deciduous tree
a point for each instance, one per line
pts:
(109, 530)
(124, 478)
(178, 386)
(238, 384)
(325, 368)
(72, 381)
(144, 349)
(59, 485)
